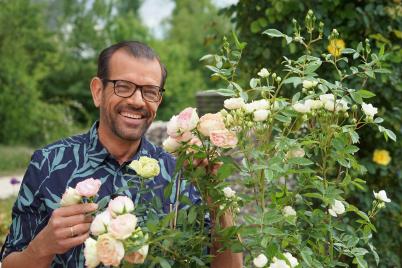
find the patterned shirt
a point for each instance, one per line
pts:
(69, 161)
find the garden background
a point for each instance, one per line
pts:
(48, 53)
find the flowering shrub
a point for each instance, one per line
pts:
(298, 154)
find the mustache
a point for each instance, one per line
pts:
(127, 108)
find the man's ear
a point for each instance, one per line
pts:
(96, 90)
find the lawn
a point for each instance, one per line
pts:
(14, 159)
(5, 217)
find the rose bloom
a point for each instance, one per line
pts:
(327, 97)
(382, 196)
(301, 107)
(172, 127)
(171, 145)
(70, 197)
(381, 157)
(223, 138)
(292, 260)
(260, 115)
(88, 187)
(263, 73)
(146, 167)
(210, 122)
(369, 110)
(336, 46)
(260, 261)
(110, 250)
(288, 211)
(277, 263)
(233, 103)
(309, 84)
(139, 256)
(90, 254)
(184, 137)
(337, 208)
(122, 226)
(314, 104)
(187, 119)
(228, 192)
(120, 205)
(101, 222)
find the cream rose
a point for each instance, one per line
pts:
(309, 84)
(337, 208)
(223, 138)
(292, 260)
(260, 261)
(146, 167)
(228, 192)
(171, 145)
(90, 254)
(120, 205)
(101, 222)
(263, 73)
(70, 197)
(278, 263)
(233, 103)
(301, 107)
(381, 196)
(260, 115)
(88, 187)
(369, 110)
(110, 251)
(172, 127)
(288, 211)
(139, 256)
(122, 226)
(210, 122)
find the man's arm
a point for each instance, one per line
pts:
(55, 238)
(226, 258)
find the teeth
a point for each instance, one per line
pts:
(134, 116)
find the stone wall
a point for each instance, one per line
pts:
(157, 132)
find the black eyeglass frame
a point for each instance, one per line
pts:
(161, 90)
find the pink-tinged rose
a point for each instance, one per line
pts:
(88, 187)
(210, 122)
(122, 226)
(139, 256)
(171, 145)
(120, 205)
(223, 138)
(110, 250)
(172, 127)
(187, 119)
(195, 141)
(70, 197)
(101, 222)
(184, 137)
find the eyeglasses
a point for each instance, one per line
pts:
(126, 89)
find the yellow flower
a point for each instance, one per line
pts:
(146, 167)
(336, 46)
(381, 157)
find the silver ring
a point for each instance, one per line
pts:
(72, 231)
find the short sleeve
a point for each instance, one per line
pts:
(29, 213)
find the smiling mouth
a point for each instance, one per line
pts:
(131, 115)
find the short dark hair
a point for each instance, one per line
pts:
(134, 48)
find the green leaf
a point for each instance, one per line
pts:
(192, 215)
(253, 82)
(361, 263)
(273, 33)
(295, 80)
(300, 161)
(348, 51)
(313, 195)
(365, 94)
(164, 263)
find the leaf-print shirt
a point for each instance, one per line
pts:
(69, 161)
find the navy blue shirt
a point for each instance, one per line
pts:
(69, 161)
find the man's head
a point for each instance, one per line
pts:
(127, 108)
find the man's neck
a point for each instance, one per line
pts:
(121, 150)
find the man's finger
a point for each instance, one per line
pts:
(76, 230)
(76, 219)
(74, 241)
(76, 209)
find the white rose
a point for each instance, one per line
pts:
(263, 73)
(260, 261)
(314, 104)
(122, 226)
(90, 254)
(261, 104)
(172, 127)
(382, 196)
(100, 223)
(70, 197)
(369, 110)
(337, 208)
(288, 211)
(138, 256)
(228, 192)
(120, 205)
(260, 115)
(301, 107)
(309, 84)
(233, 103)
(292, 260)
(341, 105)
(277, 263)
(327, 97)
(170, 145)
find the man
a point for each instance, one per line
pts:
(127, 90)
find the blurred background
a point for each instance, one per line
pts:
(48, 53)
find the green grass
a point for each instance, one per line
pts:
(5, 217)
(14, 159)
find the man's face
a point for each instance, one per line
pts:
(128, 118)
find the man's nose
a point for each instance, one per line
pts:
(136, 99)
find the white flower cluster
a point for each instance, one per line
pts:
(327, 101)
(111, 228)
(382, 198)
(261, 260)
(337, 208)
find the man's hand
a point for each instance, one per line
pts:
(68, 227)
